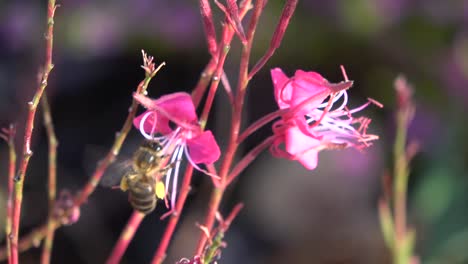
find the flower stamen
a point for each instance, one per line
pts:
(153, 128)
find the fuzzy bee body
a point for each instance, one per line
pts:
(142, 181)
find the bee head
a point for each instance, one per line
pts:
(153, 144)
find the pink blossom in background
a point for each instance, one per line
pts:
(312, 122)
(174, 119)
(293, 91)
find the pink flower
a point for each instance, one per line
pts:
(312, 123)
(173, 118)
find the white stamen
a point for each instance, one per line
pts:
(169, 173)
(169, 140)
(336, 98)
(142, 127)
(337, 121)
(345, 100)
(196, 166)
(178, 154)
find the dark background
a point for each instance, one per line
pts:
(291, 215)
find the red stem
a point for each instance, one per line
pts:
(36, 236)
(207, 73)
(171, 225)
(218, 191)
(278, 35)
(125, 237)
(207, 17)
(114, 151)
(235, 211)
(150, 72)
(9, 136)
(27, 153)
(197, 94)
(216, 78)
(162, 248)
(203, 82)
(247, 159)
(259, 123)
(28, 241)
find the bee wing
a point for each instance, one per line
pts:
(114, 173)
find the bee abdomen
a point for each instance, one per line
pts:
(144, 206)
(142, 197)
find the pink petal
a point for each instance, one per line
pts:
(176, 107)
(276, 151)
(203, 148)
(309, 86)
(304, 148)
(281, 90)
(310, 76)
(148, 125)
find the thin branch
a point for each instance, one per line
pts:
(404, 116)
(278, 35)
(120, 136)
(260, 123)
(207, 73)
(52, 186)
(248, 158)
(8, 134)
(227, 88)
(171, 225)
(233, 214)
(185, 188)
(33, 239)
(216, 78)
(27, 153)
(208, 25)
(242, 83)
(125, 237)
(203, 82)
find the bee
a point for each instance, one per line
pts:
(142, 180)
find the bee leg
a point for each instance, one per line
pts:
(167, 168)
(124, 184)
(171, 212)
(125, 181)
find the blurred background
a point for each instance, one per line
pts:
(291, 215)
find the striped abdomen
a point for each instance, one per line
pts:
(142, 196)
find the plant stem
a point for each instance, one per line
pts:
(37, 235)
(216, 78)
(208, 72)
(260, 123)
(27, 153)
(9, 136)
(33, 239)
(278, 35)
(218, 191)
(400, 189)
(125, 237)
(248, 158)
(213, 66)
(208, 25)
(52, 141)
(114, 151)
(403, 239)
(171, 225)
(203, 82)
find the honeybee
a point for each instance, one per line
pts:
(143, 179)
